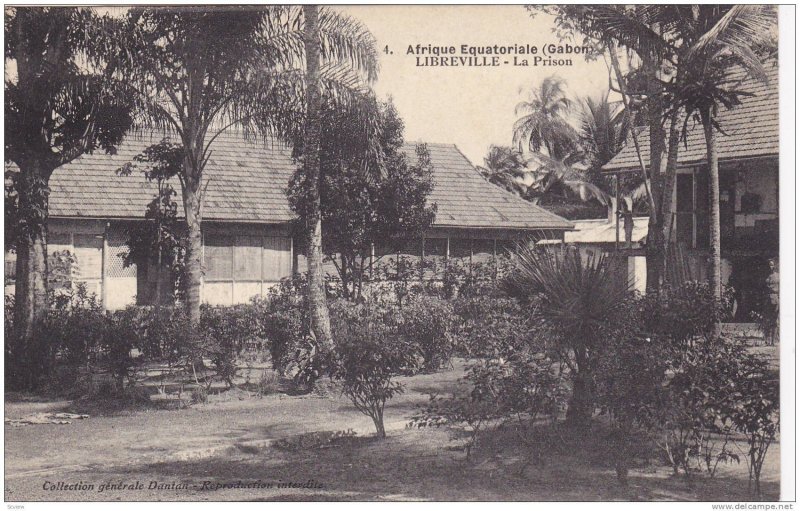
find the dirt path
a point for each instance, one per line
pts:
(249, 450)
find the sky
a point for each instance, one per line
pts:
(472, 107)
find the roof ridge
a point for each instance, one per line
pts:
(517, 197)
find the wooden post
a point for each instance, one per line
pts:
(615, 212)
(104, 268)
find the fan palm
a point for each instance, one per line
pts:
(544, 127)
(575, 300)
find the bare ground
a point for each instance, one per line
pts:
(277, 441)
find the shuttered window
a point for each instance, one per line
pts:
(247, 258)
(218, 257)
(89, 253)
(277, 258)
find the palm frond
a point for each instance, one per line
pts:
(575, 296)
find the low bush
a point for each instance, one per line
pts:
(519, 386)
(487, 325)
(369, 354)
(682, 314)
(226, 333)
(628, 384)
(427, 325)
(283, 321)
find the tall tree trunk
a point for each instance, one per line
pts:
(581, 403)
(194, 250)
(654, 250)
(669, 190)
(318, 305)
(714, 265)
(30, 291)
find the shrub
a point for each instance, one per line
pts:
(521, 385)
(757, 414)
(488, 325)
(460, 411)
(73, 332)
(227, 332)
(283, 321)
(163, 334)
(629, 380)
(703, 394)
(461, 278)
(577, 302)
(117, 344)
(427, 325)
(369, 354)
(684, 313)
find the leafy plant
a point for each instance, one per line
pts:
(369, 355)
(577, 304)
(706, 389)
(227, 331)
(457, 411)
(629, 380)
(427, 326)
(283, 321)
(372, 194)
(682, 314)
(756, 414)
(489, 325)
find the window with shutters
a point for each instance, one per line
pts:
(218, 257)
(89, 254)
(247, 258)
(277, 258)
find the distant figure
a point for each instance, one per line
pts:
(627, 223)
(774, 300)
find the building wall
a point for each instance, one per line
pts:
(240, 260)
(245, 260)
(741, 183)
(469, 246)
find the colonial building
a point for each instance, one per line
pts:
(747, 144)
(247, 245)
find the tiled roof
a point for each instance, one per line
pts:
(749, 129)
(247, 182)
(464, 198)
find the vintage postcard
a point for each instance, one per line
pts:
(399, 253)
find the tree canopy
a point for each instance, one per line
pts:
(371, 192)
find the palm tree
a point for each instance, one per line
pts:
(544, 127)
(719, 42)
(699, 44)
(604, 128)
(317, 301)
(576, 300)
(566, 176)
(506, 167)
(200, 72)
(59, 104)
